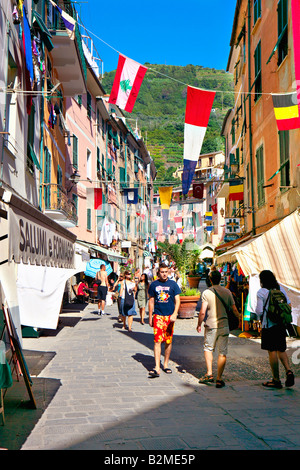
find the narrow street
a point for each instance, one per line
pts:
(93, 393)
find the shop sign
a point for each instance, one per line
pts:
(31, 241)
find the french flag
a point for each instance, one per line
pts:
(198, 108)
(128, 79)
(69, 22)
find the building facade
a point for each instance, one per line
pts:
(262, 62)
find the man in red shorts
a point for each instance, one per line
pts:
(164, 302)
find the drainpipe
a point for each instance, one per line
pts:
(250, 120)
(42, 108)
(5, 102)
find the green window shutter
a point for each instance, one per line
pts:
(260, 176)
(257, 67)
(75, 201)
(284, 147)
(89, 105)
(89, 219)
(282, 18)
(257, 10)
(75, 151)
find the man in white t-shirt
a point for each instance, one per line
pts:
(216, 327)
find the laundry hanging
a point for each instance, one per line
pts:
(128, 79)
(198, 108)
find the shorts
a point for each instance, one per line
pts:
(163, 329)
(216, 338)
(102, 293)
(273, 338)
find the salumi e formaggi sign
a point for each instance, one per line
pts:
(32, 241)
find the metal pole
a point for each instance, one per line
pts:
(250, 119)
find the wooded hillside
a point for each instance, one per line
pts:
(160, 110)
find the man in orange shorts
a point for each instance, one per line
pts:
(164, 302)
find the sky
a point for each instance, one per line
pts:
(171, 32)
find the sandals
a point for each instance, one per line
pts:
(290, 379)
(153, 374)
(220, 384)
(167, 370)
(206, 379)
(273, 384)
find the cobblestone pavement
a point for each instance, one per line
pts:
(93, 392)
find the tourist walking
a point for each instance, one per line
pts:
(216, 327)
(142, 296)
(102, 282)
(273, 335)
(164, 302)
(127, 294)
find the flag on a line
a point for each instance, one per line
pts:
(165, 194)
(208, 215)
(128, 79)
(198, 108)
(131, 195)
(236, 190)
(215, 208)
(179, 229)
(94, 198)
(286, 111)
(69, 22)
(198, 190)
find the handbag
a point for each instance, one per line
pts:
(128, 299)
(233, 321)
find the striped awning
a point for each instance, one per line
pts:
(277, 249)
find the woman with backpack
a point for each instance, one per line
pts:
(127, 294)
(273, 334)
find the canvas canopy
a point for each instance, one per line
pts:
(277, 250)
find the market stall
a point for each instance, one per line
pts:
(277, 250)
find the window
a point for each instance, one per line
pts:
(284, 148)
(75, 152)
(257, 68)
(89, 105)
(260, 176)
(282, 11)
(257, 10)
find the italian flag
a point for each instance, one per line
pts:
(127, 83)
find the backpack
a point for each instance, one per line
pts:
(279, 311)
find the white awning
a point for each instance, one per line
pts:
(277, 249)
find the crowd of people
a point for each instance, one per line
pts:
(160, 289)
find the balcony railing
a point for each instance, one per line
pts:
(58, 206)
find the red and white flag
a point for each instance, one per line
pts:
(198, 108)
(128, 79)
(178, 225)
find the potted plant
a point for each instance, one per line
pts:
(194, 276)
(184, 259)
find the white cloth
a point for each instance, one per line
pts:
(40, 291)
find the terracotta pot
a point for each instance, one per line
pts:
(188, 306)
(194, 281)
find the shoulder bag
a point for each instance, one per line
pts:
(233, 321)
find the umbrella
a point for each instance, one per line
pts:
(94, 265)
